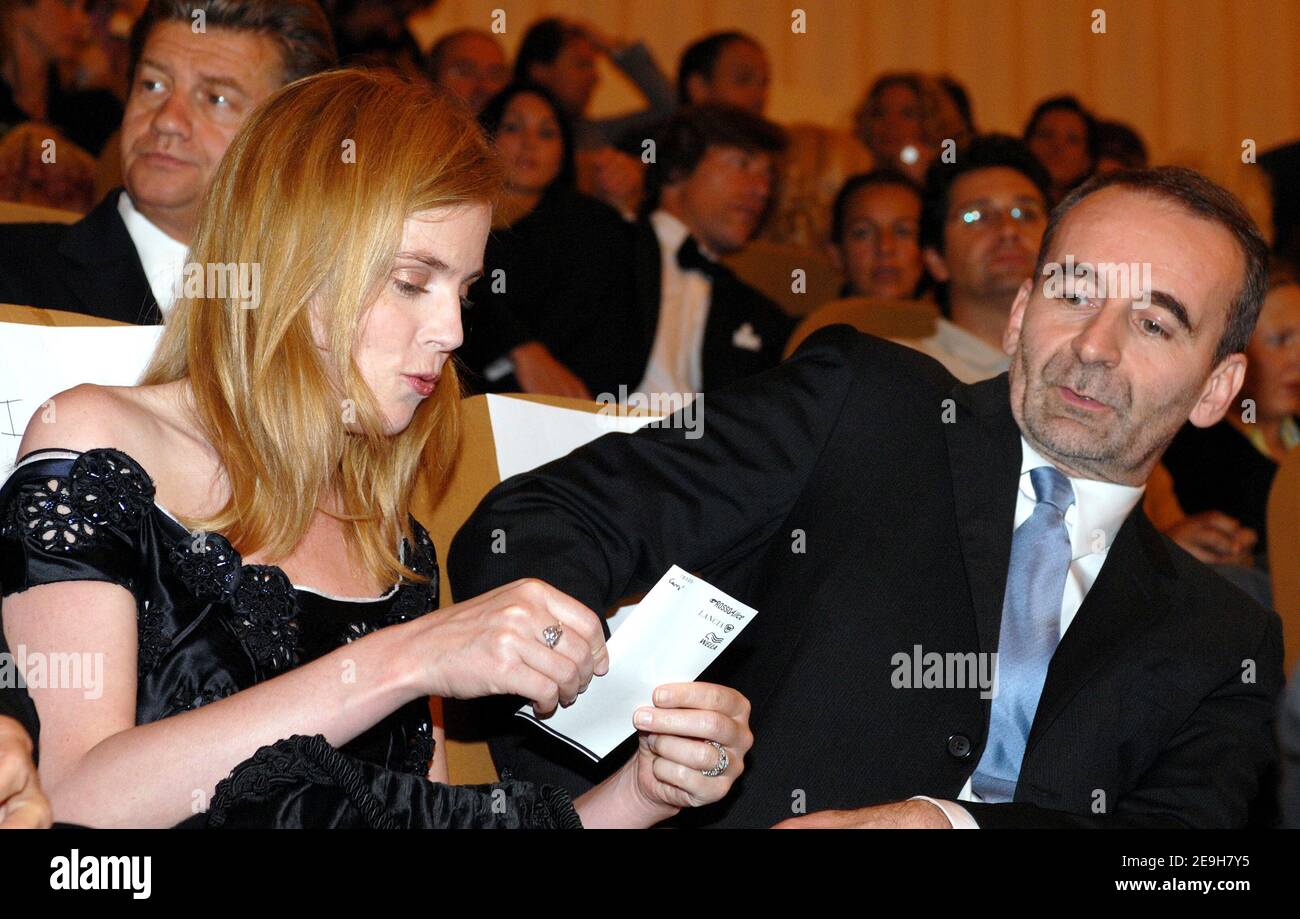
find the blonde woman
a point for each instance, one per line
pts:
(904, 120)
(233, 535)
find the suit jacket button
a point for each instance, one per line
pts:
(959, 746)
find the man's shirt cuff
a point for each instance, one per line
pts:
(957, 815)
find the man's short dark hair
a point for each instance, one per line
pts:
(701, 58)
(984, 152)
(299, 28)
(542, 44)
(855, 183)
(694, 129)
(1198, 196)
(1118, 141)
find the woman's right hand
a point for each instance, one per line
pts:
(23, 806)
(493, 645)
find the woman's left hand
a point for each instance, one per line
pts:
(675, 751)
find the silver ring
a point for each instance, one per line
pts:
(551, 635)
(723, 762)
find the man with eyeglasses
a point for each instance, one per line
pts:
(983, 219)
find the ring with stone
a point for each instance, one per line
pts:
(551, 635)
(723, 762)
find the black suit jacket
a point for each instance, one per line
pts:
(89, 267)
(831, 495)
(722, 360)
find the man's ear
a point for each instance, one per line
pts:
(935, 264)
(1219, 392)
(1011, 334)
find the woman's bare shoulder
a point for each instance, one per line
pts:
(88, 417)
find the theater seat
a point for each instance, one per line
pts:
(13, 212)
(883, 318)
(35, 315)
(770, 268)
(1284, 553)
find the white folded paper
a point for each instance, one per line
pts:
(673, 634)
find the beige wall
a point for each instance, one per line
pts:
(1196, 77)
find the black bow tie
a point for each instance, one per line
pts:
(691, 258)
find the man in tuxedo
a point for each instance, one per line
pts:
(896, 528)
(711, 185)
(190, 92)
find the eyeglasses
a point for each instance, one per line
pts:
(987, 216)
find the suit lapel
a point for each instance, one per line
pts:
(985, 456)
(1127, 596)
(105, 272)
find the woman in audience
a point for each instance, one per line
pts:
(1229, 467)
(274, 443)
(1063, 135)
(905, 119)
(558, 266)
(875, 236)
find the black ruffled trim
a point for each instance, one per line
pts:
(291, 762)
(305, 782)
(554, 810)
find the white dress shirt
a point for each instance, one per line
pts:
(967, 356)
(162, 257)
(674, 365)
(1099, 510)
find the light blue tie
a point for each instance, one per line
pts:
(1030, 630)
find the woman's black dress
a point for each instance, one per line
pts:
(209, 626)
(1218, 469)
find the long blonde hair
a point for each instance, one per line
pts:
(315, 190)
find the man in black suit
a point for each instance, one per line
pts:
(190, 92)
(895, 528)
(710, 186)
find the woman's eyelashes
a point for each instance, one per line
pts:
(411, 291)
(408, 290)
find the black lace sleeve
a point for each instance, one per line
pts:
(304, 782)
(68, 516)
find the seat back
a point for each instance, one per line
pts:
(14, 212)
(770, 267)
(882, 318)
